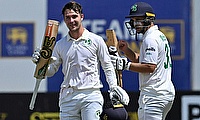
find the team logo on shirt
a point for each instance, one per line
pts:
(87, 42)
(98, 113)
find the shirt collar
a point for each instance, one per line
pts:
(150, 30)
(83, 37)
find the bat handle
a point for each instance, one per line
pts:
(31, 106)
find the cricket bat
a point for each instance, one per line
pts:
(112, 44)
(45, 55)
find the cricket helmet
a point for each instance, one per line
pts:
(141, 9)
(113, 113)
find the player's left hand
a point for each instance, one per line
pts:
(52, 59)
(120, 63)
(117, 93)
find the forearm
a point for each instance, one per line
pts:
(53, 68)
(110, 74)
(133, 56)
(142, 68)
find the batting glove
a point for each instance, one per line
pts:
(113, 51)
(117, 94)
(120, 63)
(36, 57)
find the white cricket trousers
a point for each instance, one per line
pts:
(80, 104)
(153, 108)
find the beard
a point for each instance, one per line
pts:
(139, 29)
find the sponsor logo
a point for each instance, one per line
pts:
(17, 39)
(16, 34)
(150, 49)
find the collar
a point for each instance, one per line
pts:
(150, 30)
(83, 37)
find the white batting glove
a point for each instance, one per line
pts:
(36, 57)
(113, 51)
(119, 94)
(120, 63)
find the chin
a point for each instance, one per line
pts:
(74, 29)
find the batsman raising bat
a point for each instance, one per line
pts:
(45, 56)
(81, 53)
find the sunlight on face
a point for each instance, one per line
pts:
(72, 19)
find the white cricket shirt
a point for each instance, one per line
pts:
(155, 50)
(81, 61)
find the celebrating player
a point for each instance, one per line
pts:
(153, 64)
(81, 52)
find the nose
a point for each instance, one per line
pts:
(71, 19)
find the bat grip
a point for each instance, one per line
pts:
(31, 106)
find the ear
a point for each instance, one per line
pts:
(82, 16)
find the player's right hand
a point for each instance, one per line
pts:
(123, 45)
(36, 56)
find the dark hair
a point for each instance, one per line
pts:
(73, 6)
